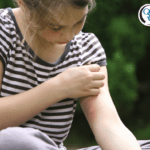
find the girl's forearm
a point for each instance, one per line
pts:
(17, 109)
(117, 137)
(108, 129)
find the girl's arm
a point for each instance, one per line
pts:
(19, 108)
(1, 74)
(109, 131)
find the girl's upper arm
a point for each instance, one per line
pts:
(1, 73)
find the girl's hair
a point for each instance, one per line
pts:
(39, 13)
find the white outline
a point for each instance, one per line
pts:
(140, 17)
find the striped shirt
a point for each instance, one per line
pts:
(22, 72)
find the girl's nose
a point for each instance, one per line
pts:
(69, 34)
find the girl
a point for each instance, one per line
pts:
(43, 57)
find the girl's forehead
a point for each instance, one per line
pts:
(69, 16)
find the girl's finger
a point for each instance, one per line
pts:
(94, 92)
(98, 76)
(97, 84)
(94, 68)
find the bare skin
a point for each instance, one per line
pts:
(108, 129)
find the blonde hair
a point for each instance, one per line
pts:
(40, 12)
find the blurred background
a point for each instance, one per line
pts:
(127, 46)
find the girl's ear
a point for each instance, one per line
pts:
(20, 3)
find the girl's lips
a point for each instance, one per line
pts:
(62, 42)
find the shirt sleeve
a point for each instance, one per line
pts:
(92, 50)
(4, 42)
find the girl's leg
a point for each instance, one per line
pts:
(145, 145)
(91, 148)
(17, 138)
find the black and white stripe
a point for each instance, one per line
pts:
(22, 72)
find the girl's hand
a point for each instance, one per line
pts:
(81, 81)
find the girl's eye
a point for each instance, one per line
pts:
(79, 22)
(56, 29)
(59, 28)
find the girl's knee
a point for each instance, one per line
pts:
(15, 138)
(18, 138)
(145, 144)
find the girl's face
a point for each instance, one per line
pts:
(65, 27)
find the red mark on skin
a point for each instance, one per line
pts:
(91, 110)
(89, 107)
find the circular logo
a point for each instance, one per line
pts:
(144, 14)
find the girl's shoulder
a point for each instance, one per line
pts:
(7, 23)
(1, 11)
(6, 17)
(4, 14)
(7, 29)
(86, 39)
(84, 35)
(90, 48)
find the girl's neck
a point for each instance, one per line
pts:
(45, 50)
(31, 36)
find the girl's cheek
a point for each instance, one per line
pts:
(50, 34)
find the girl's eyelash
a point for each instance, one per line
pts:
(57, 29)
(80, 22)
